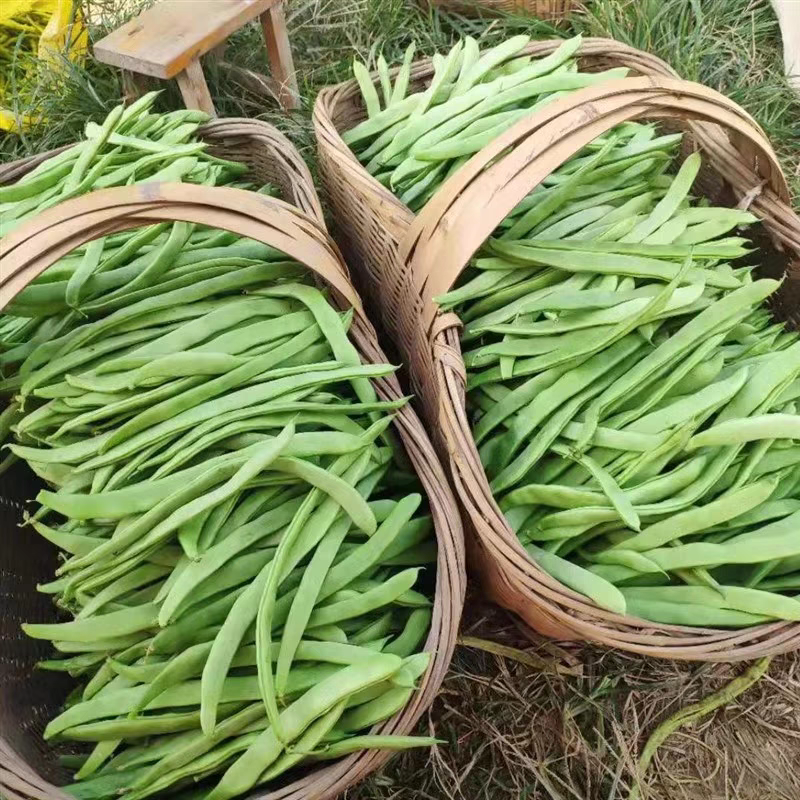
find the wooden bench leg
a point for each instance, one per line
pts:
(279, 53)
(194, 88)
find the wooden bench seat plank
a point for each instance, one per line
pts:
(163, 40)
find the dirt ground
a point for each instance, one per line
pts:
(570, 724)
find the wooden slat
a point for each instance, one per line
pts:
(280, 56)
(194, 89)
(163, 40)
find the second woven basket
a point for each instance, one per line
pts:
(409, 261)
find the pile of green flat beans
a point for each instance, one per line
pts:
(633, 402)
(413, 143)
(132, 145)
(247, 561)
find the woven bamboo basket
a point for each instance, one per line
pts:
(409, 261)
(543, 9)
(28, 698)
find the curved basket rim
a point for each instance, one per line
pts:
(330, 96)
(587, 619)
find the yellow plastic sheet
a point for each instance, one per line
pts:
(65, 34)
(17, 8)
(54, 30)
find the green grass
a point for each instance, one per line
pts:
(730, 45)
(325, 35)
(733, 46)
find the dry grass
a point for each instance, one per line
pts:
(518, 731)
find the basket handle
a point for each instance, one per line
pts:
(32, 248)
(468, 207)
(293, 176)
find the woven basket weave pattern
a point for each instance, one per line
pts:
(409, 261)
(29, 698)
(543, 9)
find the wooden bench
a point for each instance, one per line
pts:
(169, 39)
